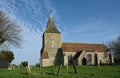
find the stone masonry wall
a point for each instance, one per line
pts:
(52, 42)
(103, 56)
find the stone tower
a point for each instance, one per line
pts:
(51, 43)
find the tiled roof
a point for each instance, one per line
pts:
(51, 28)
(75, 47)
(45, 55)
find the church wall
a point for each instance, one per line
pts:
(83, 55)
(89, 56)
(66, 56)
(52, 40)
(45, 62)
(103, 56)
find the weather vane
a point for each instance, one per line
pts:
(50, 12)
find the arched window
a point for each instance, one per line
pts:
(70, 59)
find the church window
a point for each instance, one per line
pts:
(89, 57)
(70, 59)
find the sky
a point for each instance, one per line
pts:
(84, 21)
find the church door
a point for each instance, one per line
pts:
(110, 59)
(96, 59)
(84, 61)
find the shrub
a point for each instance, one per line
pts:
(6, 56)
(24, 63)
(38, 65)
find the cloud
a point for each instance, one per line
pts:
(92, 31)
(31, 16)
(31, 45)
(97, 22)
(84, 27)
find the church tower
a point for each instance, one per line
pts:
(51, 43)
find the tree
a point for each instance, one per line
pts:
(9, 31)
(115, 48)
(6, 56)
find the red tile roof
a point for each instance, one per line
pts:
(45, 55)
(74, 47)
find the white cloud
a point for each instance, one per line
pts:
(31, 16)
(31, 45)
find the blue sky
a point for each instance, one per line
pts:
(86, 21)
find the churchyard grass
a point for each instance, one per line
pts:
(50, 72)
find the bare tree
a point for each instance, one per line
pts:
(9, 31)
(115, 45)
(115, 48)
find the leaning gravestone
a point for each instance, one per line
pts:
(74, 58)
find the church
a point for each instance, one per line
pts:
(55, 52)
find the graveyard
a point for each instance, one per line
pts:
(51, 72)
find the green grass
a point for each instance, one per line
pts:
(50, 72)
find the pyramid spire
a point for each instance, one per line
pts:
(51, 28)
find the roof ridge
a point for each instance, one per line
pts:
(81, 43)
